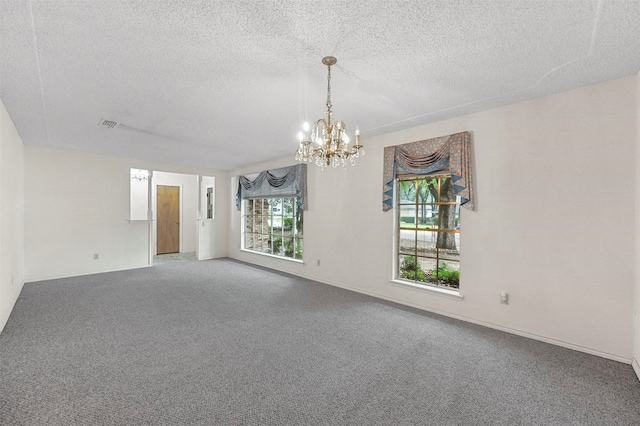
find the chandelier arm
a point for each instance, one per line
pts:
(321, 121)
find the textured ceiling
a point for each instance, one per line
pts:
(225, 83)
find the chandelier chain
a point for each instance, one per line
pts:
(328, 86)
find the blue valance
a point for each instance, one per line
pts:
(277, 183)
(451, 154)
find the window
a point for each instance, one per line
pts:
(273, 226)
(428, 231)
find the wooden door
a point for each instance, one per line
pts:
(168, 219)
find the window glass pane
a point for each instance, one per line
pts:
(425, 215)
(447, 219)
(268, 220)
(428, 190)
(248, 241)
(448, 254)
(407, 192)
(256, 224)
(446, 242)
(276, 245)
(265, 210)
(287, 225)
(298, 221)
(435, 216)
(298, 248)
(288, 205)
(276, 206)
(410, 269)
(426, 243)
(428, 265)
(408, 216)
(407, 241)
(446, 191)
(287, 247)
(447, 274)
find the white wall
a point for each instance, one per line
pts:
(77, 205)
(636, 311)
(554, 226)
(188, 207)
(11, 215)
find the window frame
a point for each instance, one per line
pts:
(399, 253)
(268, 230)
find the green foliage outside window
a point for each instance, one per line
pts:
(443, 275)
(409, 269)
(446, 275)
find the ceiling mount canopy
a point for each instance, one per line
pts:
(327, 142)
(329, 60)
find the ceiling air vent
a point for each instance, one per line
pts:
(108, 124)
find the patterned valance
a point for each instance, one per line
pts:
(283, 182)
(447, 154)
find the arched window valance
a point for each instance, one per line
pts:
(283, 182)
(450, 154)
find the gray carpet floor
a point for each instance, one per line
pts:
(224, 343)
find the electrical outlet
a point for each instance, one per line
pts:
(504, 297)
(318, 262)
(96, 256)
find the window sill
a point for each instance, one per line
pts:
(288, 259)
(438, 291)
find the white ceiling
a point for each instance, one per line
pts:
(225, 83)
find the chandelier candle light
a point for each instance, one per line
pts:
(328, 143)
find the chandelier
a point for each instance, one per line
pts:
(327, 142)
(139, 175)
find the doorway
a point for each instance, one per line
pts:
(168, 219)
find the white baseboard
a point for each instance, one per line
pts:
(35, 280)
(636, 367)
(5, 311)
(522, 333)
(55, 277)
(526, 334)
